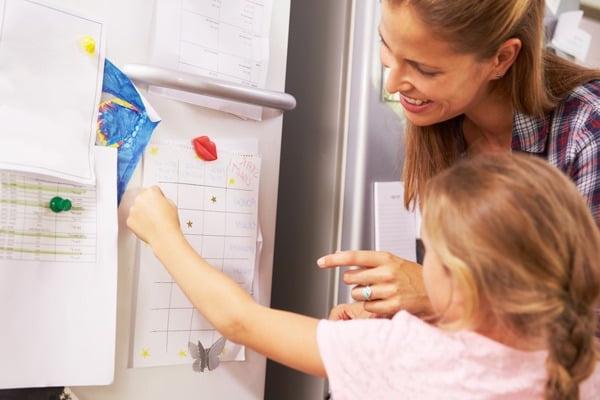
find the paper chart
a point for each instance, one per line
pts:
(218, 205)
(223, 39)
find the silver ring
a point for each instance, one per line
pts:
(367, 292)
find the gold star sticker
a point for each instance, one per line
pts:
(153, 150)
(182, 353)
(189, 224)
(145, 353)
(213, 199)
(231, 181)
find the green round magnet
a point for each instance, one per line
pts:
(56, 204)
(66, 204)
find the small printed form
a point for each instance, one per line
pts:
(223, 39)
(218, 210)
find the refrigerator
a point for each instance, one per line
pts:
(342, 137)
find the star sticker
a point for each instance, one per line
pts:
(153, 150)
(182, 353)
(231, 181)
(189, 224)
(145, 353)
(213, 199)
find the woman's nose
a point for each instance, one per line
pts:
(396, 81)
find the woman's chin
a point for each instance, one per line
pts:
(420, 121)
(425, 119)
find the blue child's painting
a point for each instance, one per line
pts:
(125, 121)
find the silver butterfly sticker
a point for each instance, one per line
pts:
(206, 358)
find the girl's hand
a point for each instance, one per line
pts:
(343, 312)
(153, 216)
(396, 284)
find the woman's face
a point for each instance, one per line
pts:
(435, 83)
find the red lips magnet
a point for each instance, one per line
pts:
(205, 148)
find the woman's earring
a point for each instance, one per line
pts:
(499, 76)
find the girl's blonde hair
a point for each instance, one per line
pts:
(535, 83)
(522, 247)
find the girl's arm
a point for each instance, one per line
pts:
(285, 337)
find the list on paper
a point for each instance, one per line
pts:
(217, 203)
(222, 39)
(395, 227)
(30, 231)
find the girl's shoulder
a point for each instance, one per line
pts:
(590, 388)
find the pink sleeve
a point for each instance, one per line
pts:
(356, 353)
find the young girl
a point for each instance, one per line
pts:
(512, 271)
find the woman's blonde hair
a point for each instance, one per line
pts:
(535, 83)
(522, 247)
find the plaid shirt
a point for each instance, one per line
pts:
(569, 138)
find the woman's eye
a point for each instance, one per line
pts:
(424, 71)
(427, 73)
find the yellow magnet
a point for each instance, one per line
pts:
(88, 44)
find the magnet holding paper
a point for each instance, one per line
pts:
(88, 44)
(66, 205)
(58, 204)
(205, 148)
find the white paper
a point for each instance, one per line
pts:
(569, 38)
(553, 5)
(218, 211)
(395, 227)
(223, 39)
(58, 279)
(49, 90)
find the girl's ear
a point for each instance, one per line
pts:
(505, 57)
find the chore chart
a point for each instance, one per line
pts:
(30, 231)
(218, 206)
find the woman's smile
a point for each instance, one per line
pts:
(415, 106)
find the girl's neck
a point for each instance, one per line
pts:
(512, 339)
(488, 125)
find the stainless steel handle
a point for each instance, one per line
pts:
(172, 79)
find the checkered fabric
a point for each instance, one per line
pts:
(569, 138)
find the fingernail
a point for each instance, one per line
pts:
(321, 262)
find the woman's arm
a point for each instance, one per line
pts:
(285, 337)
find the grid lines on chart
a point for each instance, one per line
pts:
(216, 219)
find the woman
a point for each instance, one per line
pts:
(473, 77)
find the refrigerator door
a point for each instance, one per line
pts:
(310, 175)
(374, 148)
(340, 139)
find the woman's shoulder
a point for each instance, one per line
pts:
(575, 123)
(586, 96)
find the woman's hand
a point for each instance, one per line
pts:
(343, 312)
(153, 216)
(396, 284)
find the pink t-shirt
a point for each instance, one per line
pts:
(406, 358)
